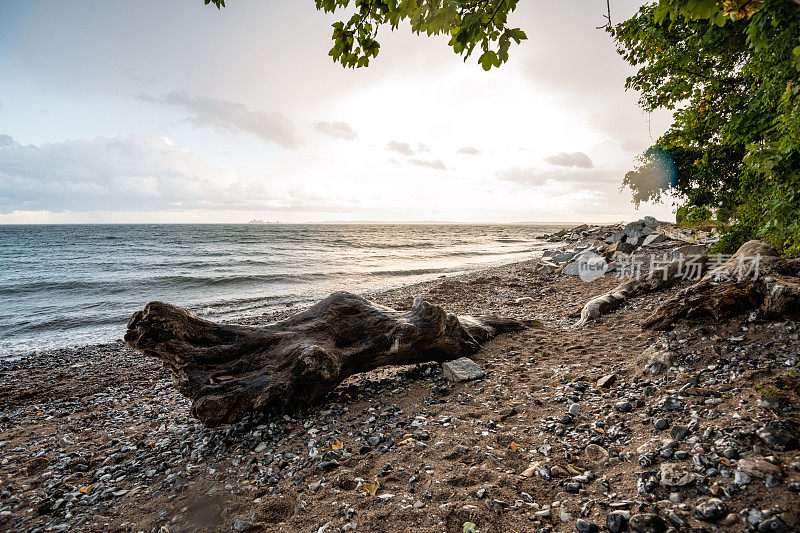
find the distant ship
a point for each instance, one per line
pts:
(256, 221)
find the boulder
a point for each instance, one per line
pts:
(463, 369)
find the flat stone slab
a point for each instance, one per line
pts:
(463, 369)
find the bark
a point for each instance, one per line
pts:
(661, 278)
(228, 371)
(772, 291)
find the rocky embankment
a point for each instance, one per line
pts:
(619, 242)
(605, 428)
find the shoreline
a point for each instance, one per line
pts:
(98, 439)
(292, 307)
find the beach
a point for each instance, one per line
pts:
(606, 426)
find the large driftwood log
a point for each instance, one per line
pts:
(658, 279)
(229, 370)
(736, 287)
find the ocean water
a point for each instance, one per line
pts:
(66, 285)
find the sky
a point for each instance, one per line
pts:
(152, 111)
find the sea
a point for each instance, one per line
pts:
(72, 285)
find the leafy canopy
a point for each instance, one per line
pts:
(729, 70)
(471, 25)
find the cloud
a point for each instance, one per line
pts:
(469, 150)
(6, 140)
(235, 118)
(435, 164)
(338, 130)
(400, 147)
(130, 173)
(574, 159)
(573, 178)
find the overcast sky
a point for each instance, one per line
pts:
(153, 111)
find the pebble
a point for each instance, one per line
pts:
(583, 526)
(710, 510)
(617, 521)
(647, 523)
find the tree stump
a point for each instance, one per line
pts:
(228, 371)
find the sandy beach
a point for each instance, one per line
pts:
(570, 429)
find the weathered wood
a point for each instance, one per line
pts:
(229, 370)
(727, 291)
(661, 278)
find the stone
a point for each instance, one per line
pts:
(463, 369)
(741, 479)
(584, 526)
(758, 467)
(779, 435)
(772, 482)
(606, 381)
(710, 510)
(617, 521)
(648, 523)
(634, 229)
(653, 238)
(661, 423)
(655, 361)
(773, 525)
(623, 407)
(678, 432)
(620, 246)
(574, 409)
(596, 455)
(241, 526)
(676, 475)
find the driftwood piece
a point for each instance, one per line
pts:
(230, 370)
(736, 287)
(660, 278)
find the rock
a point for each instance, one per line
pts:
(661, 423)
(620, 246)
(678, 432)
(634, 229)
(617, 521)
(676, 520)
(773, 525)
(741, 479)
(779, 435)
(596, 455)
(241, 526)
(606, 381)
(327, 466)
(758, 467)
(574, 409)
(710, 510)
(583, 526)
(772, 482)
(655, 361)
(463, 369)
(676, 475)
(653, 239)
(648, 523)
(623, 407)
(421, 435)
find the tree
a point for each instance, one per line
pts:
(471, 24)
(730, 72)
